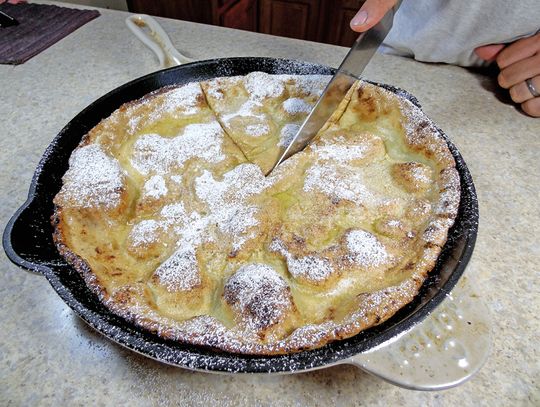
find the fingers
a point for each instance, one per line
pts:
(518, 51)
(371, 12)
(519, 71)
(532, 107)
(518, 62)
(520, 92)
(489, 52)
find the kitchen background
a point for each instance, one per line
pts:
(313, 20)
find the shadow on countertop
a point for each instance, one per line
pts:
(487, 77)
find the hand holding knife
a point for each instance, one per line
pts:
(347, 74)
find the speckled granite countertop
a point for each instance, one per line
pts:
(50, 357)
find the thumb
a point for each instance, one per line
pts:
(371, 12)
(489, 52)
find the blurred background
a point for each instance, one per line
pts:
(313, 20)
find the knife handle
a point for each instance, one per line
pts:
(367, 43)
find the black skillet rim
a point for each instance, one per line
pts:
(85, 304)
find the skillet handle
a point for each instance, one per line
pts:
(443, 351)
(154, 37)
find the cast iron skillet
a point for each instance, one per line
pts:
(28, 240)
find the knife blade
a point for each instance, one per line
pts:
(347, 74)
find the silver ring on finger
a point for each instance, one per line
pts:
(531, 88)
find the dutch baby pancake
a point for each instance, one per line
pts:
(166, 212)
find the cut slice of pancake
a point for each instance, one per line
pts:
(263, 112)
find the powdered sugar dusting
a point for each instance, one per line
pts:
(296, 105)
(179, 272)
(436, 231)
(228, 210)
(180, 100)
(420, 173)
(261, 85)
(312, 268)
(421, 132)
(94, 179)
(133, 122)
(248, 109)
(155, 187)
(174, 213)
(312, 84)
(346, 184)
(194, 231)
(145, 232)
(227, 199)
(365, 249)
(257, 130)
(213, 89)
(153, 154)
(185, 98)
(190, 227)
(448, 202)
(287, 134)
(341, 153)
(259, 296)
(177, 179)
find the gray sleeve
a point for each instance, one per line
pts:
(448, 31)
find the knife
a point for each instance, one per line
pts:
(347, 74)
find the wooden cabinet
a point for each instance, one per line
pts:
(240, 14)
(192, 10)
(314, 20)
(295, 19)
(336, 17)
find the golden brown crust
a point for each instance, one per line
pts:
(202, 249)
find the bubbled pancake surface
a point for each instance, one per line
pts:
(166, 212)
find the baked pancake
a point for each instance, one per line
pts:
(167, 215)
(262, 112)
